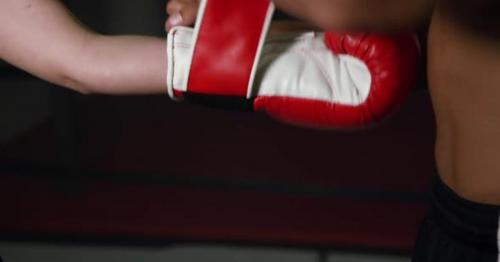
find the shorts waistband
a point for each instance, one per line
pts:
(471, 223)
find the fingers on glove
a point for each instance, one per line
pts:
(181, 13)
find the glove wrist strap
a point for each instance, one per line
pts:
(228, 36)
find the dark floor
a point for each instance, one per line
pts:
(36, 253)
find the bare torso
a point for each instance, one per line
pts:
(464, 74)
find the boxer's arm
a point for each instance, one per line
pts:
(359, 14)
(43, 38)
(477, 17)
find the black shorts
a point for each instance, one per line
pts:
(457, 230)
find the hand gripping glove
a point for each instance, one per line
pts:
(321, 80)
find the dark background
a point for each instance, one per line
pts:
(146, 170)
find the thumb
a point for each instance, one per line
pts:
(174, 20)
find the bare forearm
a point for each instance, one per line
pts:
(43, 38)
(120, 65)
(359, 14)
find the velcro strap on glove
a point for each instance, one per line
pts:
(224, 56)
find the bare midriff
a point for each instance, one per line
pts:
(464, 78)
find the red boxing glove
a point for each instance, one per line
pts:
(385, 77)
(322, 80)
